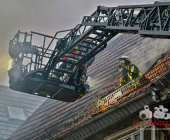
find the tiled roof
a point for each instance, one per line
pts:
(10, 98)
(104, 79)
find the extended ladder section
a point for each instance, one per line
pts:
(147, 20)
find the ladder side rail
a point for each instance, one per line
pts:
(51, 62)
(84, 60)
(78, 26)
(70, 36)
(57, 58)
(144, 5)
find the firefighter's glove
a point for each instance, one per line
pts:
(122, 65)
(121, 81)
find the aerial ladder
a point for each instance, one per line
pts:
(76, 51)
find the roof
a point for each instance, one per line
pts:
(11, 102)
(104, 78)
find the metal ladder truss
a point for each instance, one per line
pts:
(147, 20)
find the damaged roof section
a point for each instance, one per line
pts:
(56, 117)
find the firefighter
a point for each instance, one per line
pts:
(65, 65)
(129, 71)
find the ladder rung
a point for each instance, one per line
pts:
(78, 50)
(84, 46)
(65, 61)
(104, 30)
(75, 54)
(72, 57)
(89, 42)
(99, 40)
(101, 34)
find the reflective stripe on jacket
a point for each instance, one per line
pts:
(131, 73)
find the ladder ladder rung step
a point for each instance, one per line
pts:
(62, 70)
(105, 30)
(76, 54)
(101, 34)
(65, 61)
(79, 50)
(89, 42)
(99, 40)
(84, 46)
(72, 57)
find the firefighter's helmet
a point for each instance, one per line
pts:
(126, 58)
